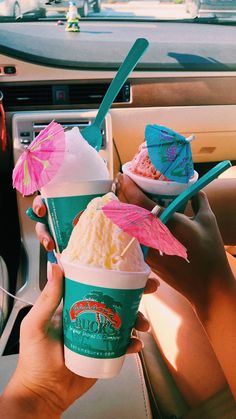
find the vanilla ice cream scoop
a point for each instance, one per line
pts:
(98, 242)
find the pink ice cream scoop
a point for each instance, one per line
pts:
(141, 165)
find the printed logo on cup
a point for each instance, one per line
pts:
(80, 307)
(99, 321)
(64, 213)
(163, 200)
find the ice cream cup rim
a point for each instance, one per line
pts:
(86, 181)
(100, 269)
(150, 181)
(76, 188)
(81, 182)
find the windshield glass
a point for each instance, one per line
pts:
(210, 10)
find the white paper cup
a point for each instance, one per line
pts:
(160, 191)
(65, 200)
(100, 309)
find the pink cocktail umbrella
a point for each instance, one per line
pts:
(39, 163)
(145, 227)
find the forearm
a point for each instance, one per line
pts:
(18, 402)
(221, 194)
(219, 322)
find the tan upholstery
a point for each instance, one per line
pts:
(161, 385)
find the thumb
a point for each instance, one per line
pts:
(128, 191)
(201, 207)
(42, 311)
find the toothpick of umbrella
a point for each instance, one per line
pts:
(154, 211)
(144, 226)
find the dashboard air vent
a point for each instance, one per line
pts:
(94, 93)
(24, 96)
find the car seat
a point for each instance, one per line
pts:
(4, 299)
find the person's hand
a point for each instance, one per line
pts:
(206, 281)
(41, 229)
(46, 240)
(142, 324)
(208, 267)
(41, 384)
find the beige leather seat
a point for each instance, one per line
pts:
(4, 299)
(123, 397)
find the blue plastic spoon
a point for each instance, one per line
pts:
(92, 133)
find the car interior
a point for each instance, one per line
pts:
(186, 81)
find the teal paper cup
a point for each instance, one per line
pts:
(161, 192)
(100, 309)
(64, 202)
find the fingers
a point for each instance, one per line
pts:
(176, 224)
(38, 206)
(135, 345)
(151, 286)
(44, 236)
(128, 191)
(41, 230)
(201, 207)
(45, 306)
(141, 324)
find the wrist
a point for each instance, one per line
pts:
(22, 402)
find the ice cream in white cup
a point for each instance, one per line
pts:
(163, 192)
(82, 176)
(102, 292)
(65, 201)
(100, 309)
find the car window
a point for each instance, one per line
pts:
(118, 9)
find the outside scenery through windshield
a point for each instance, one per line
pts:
(120, 9)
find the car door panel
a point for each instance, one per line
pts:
(214, 127)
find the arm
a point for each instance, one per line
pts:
(221, 194)
(219, 322)
(207, 282)
(41, 385)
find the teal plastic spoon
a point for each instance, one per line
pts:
(92, 133)
(182, 199)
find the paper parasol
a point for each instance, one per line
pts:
(170, 153)
(39, 163)
(144, 226)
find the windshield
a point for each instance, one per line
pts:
(199, 10)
